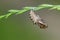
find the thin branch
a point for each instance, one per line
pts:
(25, 9)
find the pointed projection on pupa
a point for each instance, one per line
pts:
(37, 20)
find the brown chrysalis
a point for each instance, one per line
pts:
(37, 20)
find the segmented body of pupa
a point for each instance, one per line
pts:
(37, 20)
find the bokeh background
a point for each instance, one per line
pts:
(20, 27)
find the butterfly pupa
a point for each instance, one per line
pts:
(37, 20)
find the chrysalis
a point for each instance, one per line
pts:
(37, 20)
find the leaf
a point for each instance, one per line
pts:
(46, 5)
(55, 7)
(52, 8)
(2, 16)
(7, 15)
(58, 7)
(22, 11)
(38, 8)
(13, 11)
(29, 7)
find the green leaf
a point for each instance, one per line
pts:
(22, 11)
(46, 5)
(29, 8)
(13, 11)
(57, 7)
(38, 8)
(2, 16)
(7, 15)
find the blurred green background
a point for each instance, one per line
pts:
(20, 27)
